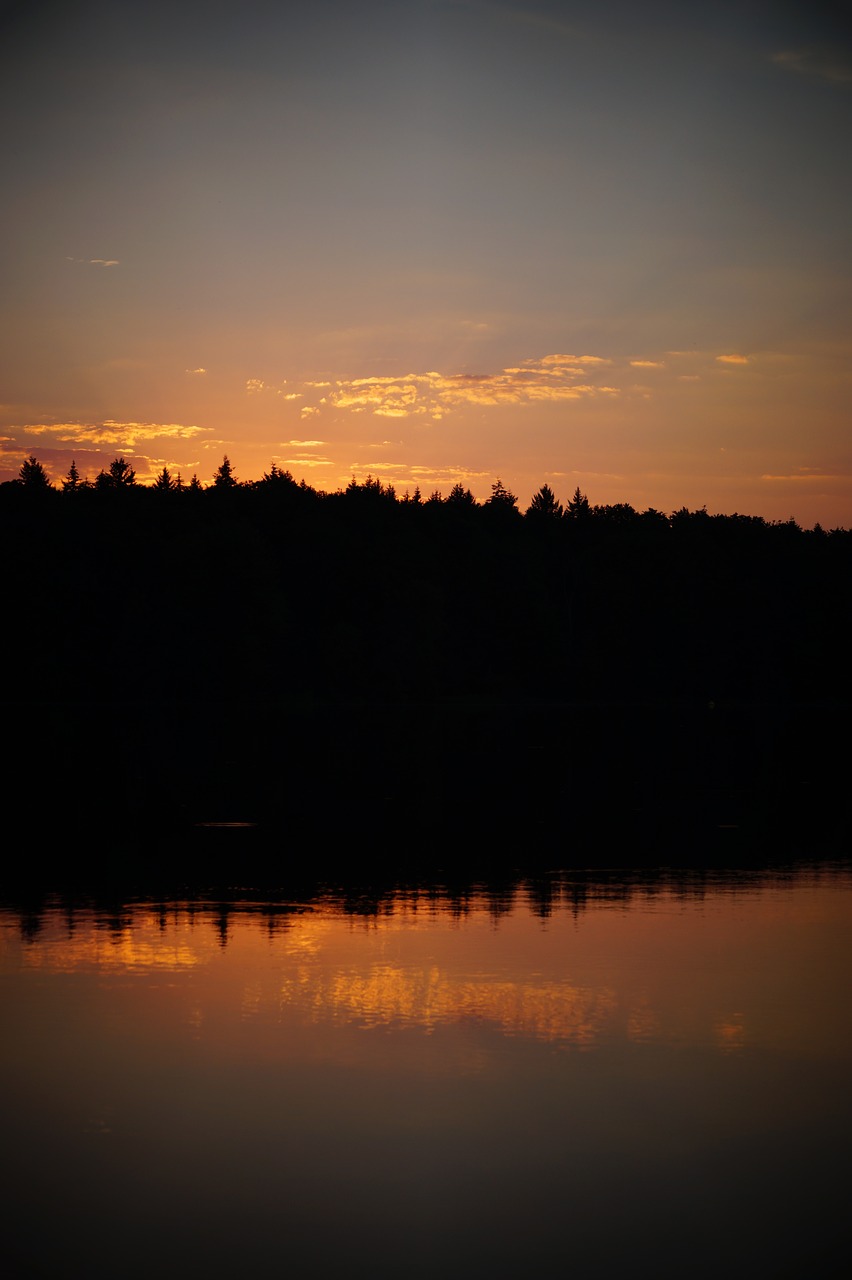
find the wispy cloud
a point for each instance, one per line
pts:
(305, 444)
(445, 475)
(818, 61)
(572, 360)
(95, 262)
(803, 474)
(377, 466)
(256, 386)
(733, 358)
(123, 434)
(647, 364)
(307, 460)
(548, 378)
(387, 397)
(195, 370)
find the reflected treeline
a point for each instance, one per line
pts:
(391, 676)
(369, 902)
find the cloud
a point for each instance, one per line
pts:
(195, 370)
(305, 444)
(254, 385)
(818, 61)
(387, 397)
(550, 378)
(307, 460)
(388, 381)
(570, 360)
(445, 475)
(377, 466)
(732, 359)
(95, 262)
(804, 473)
(495, 389)
(124, 434)
(308, 411)
(647, 364)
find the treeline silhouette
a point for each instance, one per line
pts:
(500, 894)
(421, 674)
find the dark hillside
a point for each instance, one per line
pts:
(423, 676)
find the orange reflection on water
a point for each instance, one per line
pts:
(728, 970)
(427, 998)
(579, 1070)
(129, 952)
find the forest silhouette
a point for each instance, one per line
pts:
(420, 677)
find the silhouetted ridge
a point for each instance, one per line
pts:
(427, 672)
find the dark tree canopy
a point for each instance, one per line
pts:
(545, 505)
(32, 474)
(502, 497)
(72, 480)
(578, 506)
(278, 478)
(461, 497)
(120, 475)
(224, 477)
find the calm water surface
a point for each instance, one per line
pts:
(606, 1080)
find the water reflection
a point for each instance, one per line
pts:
(590, 1074)
(573, 964)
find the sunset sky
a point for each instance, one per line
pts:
(434, 240)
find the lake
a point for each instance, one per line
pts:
(578, 1074)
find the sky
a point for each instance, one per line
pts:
(434, 241)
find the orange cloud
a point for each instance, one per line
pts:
(551, 378)
(307, 460)
(561, 359)
(256, 385)
(125, 434)
(388, 397)
(803, 474)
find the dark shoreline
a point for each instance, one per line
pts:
(380, 686)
